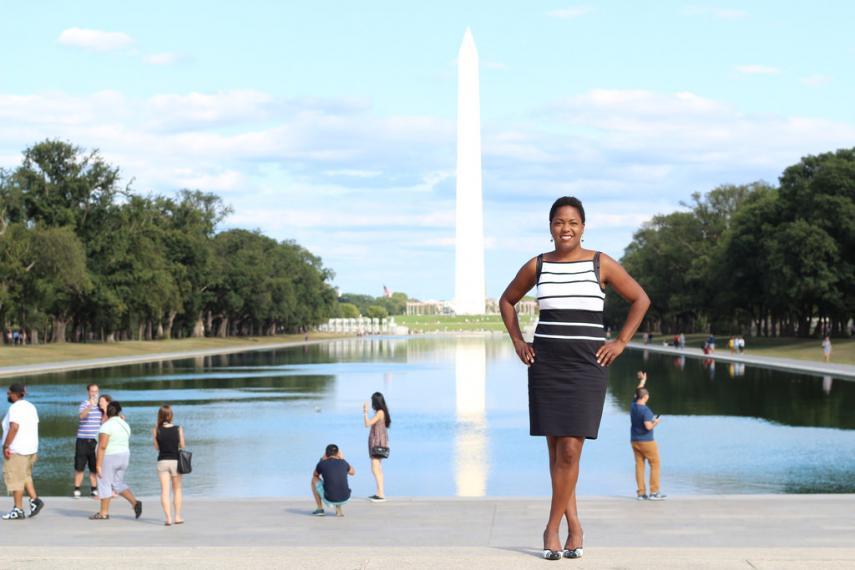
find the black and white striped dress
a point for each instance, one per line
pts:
(566, 386)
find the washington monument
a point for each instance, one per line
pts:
(469, 244)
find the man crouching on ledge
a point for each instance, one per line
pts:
(329, 481)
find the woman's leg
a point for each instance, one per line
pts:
(164, 494)
(377, 470)
(178, 496)
(119, 485)
(105, 486)
(129, 496)
(105, 507)
(564, 474)
(574, 525)
(551, 539)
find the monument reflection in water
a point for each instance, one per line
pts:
(471, 463)
(456, 430)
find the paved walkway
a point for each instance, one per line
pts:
(841, 371)
(65, 365)
(741, 531)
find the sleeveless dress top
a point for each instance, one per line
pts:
(566, 386)
(378, 436)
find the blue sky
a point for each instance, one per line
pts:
(332, 123)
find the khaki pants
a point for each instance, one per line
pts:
(18, 471)
(646, 450)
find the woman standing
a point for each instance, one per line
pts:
(378, 440)
(168, 439)
(567, 374)
(112, 462)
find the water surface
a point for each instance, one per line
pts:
(257, 422)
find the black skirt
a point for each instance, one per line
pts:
(566, 388)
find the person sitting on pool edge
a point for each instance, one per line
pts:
(329, 481)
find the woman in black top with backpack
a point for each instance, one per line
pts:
(168, 439)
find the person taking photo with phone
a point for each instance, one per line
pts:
(644, 446)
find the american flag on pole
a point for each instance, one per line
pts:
(386, 292)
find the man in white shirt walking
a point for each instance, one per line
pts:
(20, 446)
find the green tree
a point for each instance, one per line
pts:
(56, 275)
(347, 311)
(376, 312)
(820, 190)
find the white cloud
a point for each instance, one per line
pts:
(571, 12)
(177, 111)
(648, 128)
(816, 80)
(225, 181)
(716, 12)
(494, 65)
(730, 14)
(361, 188)
(353, 173)
(97, 40)
(162, 58)
(757, 70)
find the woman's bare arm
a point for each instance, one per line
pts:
(521, 284)
(377, 417)
(614, 275)
(103, 440)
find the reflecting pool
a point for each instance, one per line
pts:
(257, 422)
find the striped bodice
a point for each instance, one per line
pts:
(570, 300)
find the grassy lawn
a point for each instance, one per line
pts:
(21, 355)
(440, 323)
(842, 350)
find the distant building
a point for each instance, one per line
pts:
(524, 307)
(429, 308)
(527, 307)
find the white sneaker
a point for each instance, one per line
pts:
(15, 514)
(77, 493)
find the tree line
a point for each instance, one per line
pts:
(84, 258)
(352, 305)
(755, 258)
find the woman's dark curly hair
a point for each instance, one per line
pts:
(567, 201)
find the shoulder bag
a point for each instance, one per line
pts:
(185, 461)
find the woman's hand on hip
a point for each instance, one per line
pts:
(609, 351)
(525, 351)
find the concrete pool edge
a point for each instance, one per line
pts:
(107, 362)
(839, 371)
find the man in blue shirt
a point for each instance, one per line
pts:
(329, 481)
(643, 445)
(87, 441)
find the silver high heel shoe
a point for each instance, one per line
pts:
(574, 552)
(552, 554)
